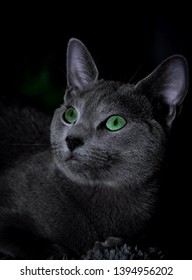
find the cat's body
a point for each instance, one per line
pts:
(101, 176)
(24, 131)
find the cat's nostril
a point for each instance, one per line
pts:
(73, 142)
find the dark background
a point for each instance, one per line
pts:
(125, 47)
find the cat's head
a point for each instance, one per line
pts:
(114, 133)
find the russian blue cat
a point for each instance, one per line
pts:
(99, 182)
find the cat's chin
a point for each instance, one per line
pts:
(73, 170)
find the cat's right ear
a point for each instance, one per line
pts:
(81, 69)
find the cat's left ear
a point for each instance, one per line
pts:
(81, 69)
(166, 87)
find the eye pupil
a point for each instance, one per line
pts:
(115, 122)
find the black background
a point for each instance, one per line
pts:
(125, 46)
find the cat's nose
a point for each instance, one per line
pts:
(73, 142)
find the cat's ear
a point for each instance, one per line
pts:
(167, 87)
(81, 69)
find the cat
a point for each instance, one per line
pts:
(99, 182)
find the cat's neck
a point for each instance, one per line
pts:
(105, 203)
(109, 193)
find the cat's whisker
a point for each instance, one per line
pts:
(99, 154)
(135, 73)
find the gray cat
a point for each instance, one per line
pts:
(99, 182)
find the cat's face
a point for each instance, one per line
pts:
(103, 154)
(106, 132)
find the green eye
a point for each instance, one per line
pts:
(115, 123)
(70, 115)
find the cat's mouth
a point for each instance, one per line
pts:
(93, 166)
(71, 157)
(91, 162)
(87, 170)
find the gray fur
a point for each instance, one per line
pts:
(109, 185)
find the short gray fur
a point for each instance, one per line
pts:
(61, 201)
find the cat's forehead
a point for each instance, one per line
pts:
(109, 97)
(104, 95)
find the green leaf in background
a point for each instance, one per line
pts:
(40, 88)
